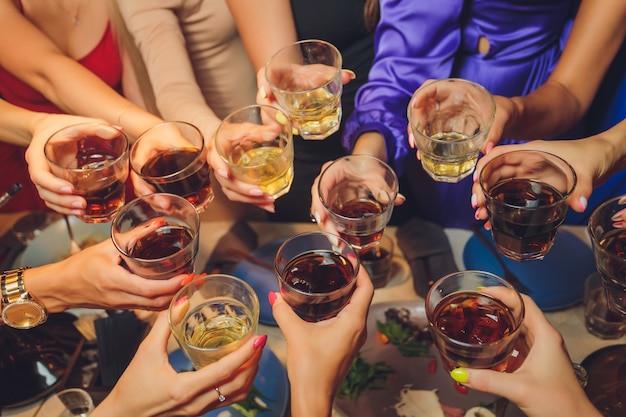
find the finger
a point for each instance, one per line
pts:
(283, 313)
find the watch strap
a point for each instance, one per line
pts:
(12, 285)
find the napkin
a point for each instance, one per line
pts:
(427, 250)
(240, 237)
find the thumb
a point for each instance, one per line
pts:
(159, 334)
(282, 312)
(580, 196)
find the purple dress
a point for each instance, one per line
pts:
(418, 40)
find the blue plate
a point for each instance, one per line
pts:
(261, 279)
(271, 380)
(556, 282)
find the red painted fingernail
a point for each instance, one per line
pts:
(260, 342)
(271, 297)
(187, 280)
(180, 300)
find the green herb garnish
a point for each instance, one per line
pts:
(363, 376)
(404, 334)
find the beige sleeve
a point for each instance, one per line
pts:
(196, 63)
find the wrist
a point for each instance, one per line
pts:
(43, 284)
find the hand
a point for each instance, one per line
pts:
(322, 351)
(545, 385)
(150, 387)
(577, 153)
(57, 193)
(94, 278)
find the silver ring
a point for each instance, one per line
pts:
(220, 397)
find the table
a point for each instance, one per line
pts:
(570, 322)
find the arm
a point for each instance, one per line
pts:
(545, 385)
(40, 63)
(554, 107)
(414, 41)
(150, 387)
(253, 18)
(94, 278)
(346, 333)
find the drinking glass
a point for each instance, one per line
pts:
(257, 144)
(525, 195)
(305, 78)
(77, 402)
(94, 158)
(601, 321)
(450, 120)
(358, 192)
(212, 316)
(475, 319)
(316, 274)
(171, 157)
(157, 235)
(378, 261)
(608, 240)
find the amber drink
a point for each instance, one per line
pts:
(472, 326)
(94, 158)
(316, 274)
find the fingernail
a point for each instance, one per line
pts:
(260, 342)
(474, 201)
(187, 279)
(66, 190)
(618, 225)
(582, 203)
(459, 375)
(317, 217)
(401, 196)
(160, 221)
(476, 216)
(475, 175)
(222, 173)
(480, 287)
(352, 74)
(618, 216)
(180, 300)
(271, 297)
(262, 92)
(489, 147)
(256, 192)
(77, 204)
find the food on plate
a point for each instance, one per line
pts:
(363, 376)
(400, 330)
(253, 404)
(418, 403)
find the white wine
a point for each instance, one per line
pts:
(268, 167)
(216, 328)
(317, 113)
(450, 157)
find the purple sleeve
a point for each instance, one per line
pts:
(415, 40)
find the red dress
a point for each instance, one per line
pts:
(104, 61)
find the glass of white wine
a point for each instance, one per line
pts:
(212, 316)
(256, 142)
(450, 120)
(305, 78)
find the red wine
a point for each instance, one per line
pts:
(195, 185)
(165, 242)
(319, 273)
(473, 318)
(524, 217)
(359, 209)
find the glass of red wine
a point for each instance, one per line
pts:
(358, 193)
(475, 318)
(171, 157)
(93, 157)
(526, 193)
(608, 240)
(157, 235)
(316, 274)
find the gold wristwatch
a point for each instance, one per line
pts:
(19, 309)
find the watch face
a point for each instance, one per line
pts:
(23, 315)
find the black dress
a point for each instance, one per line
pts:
(339, 22)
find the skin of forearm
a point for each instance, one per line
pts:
(614, 149)
(371, 143)
(17, 124)
(46, 284)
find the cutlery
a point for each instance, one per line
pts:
(5, 197)
(509, 275)
(74, 247)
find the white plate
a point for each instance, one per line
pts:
(416, 372)
(53, 244)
